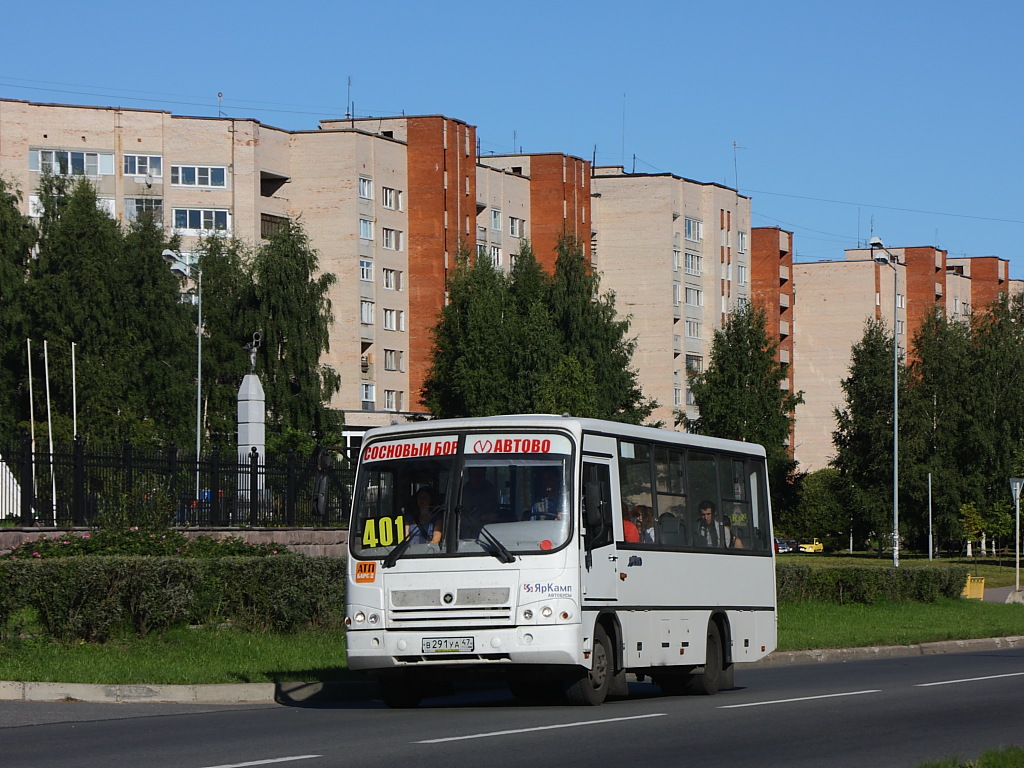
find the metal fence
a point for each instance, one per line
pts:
(76, 486)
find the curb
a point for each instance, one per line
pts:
(299, 694)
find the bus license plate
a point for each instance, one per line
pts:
(447, 645)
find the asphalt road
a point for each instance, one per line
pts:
(886, 712)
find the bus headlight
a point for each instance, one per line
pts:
(528, 615)
(546, 611)
(374, 618)
(360, 617)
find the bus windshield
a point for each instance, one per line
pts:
(481, 494)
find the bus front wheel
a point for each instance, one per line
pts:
(589, 687)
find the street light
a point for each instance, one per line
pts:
(890, 260)
(181, 268)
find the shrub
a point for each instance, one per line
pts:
(860, 584)
(138, 542)
(98, 598)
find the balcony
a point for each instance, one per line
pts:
(783, 273)
(784, 301)
(784, 356)
(938, 290)
(783, 328)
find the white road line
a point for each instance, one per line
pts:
(802, 698)
(539, 728)
(267, 762)
(970, 679)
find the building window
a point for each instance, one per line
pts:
(690, 399)
(692, 329)
(515, 226)
(741, 242)
(394, 360)
(392, 198)
(198, 176)
(742, 301)
(675, 294)
(366, 229)
(365, 188)
(741, 274)
(901, 327)
(392, 400)
(366, 270)
(394, 320)
(143, 165)
(271, 225)
(495, 219)
(481, 250)
(136, 207)
(694, 364)
(677, 260)
(694, 297)
(392, 239)
(392, 279)
(724, 237)
(901, 300)
(694, 264)
(677, 396)
(366, 312)
(199, 220)
(496, 255)
(369, 394)
(63, 162)
(694, 230)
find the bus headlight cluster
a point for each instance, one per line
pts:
(546, 614)
(360, 619)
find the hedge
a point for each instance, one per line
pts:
(860, 584)
(98, 598)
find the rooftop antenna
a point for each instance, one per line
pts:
(622, 156)
(348, 99)
(735, 166)
(220, 102)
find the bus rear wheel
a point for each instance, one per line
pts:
(589, 687)
(707, 683)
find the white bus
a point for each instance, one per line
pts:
(558, 554)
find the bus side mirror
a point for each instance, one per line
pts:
(592, 500)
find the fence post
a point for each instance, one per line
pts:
(254, 491)
(78, 482)
(290, 489)
(127, 465)
(180, 512)
(215, 510)
(28, 487)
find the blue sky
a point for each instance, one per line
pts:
(899, 119)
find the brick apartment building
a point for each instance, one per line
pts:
(676, 253)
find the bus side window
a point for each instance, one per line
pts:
(596, 484)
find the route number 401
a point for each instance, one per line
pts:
(383, 532)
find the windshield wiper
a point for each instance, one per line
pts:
(500, 550)
(396, 553)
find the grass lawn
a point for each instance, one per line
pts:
(997, 572)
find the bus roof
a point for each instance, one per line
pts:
(575, 425)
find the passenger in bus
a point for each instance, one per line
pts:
(734, 541)
(549, 506)
(480, 501)
(630, 529)
(711, 532)
(423, 516)
(644, 518)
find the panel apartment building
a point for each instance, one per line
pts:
(386, 202)
(676, 253)
(836, 298)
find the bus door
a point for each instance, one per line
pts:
(599, 558)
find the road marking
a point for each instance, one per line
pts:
(802, 698)
(267, 762)
(539, 728)
(970, 679)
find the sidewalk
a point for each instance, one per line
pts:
(361, 690)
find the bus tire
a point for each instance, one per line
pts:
(707, 683)
(400, 691)
(589, 687)
(728, 681)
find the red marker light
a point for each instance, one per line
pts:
(546, 545)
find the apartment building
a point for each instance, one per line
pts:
(676, 253)
(837, 297)
(387, 202)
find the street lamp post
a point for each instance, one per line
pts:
(179, 267)
(890, 260)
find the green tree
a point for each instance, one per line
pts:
(534, 345)
(293, 314)
(821, 510)
(593, 333)
(863, 435)
(17, 236)
(739, 395)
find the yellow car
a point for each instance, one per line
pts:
(814, 546)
